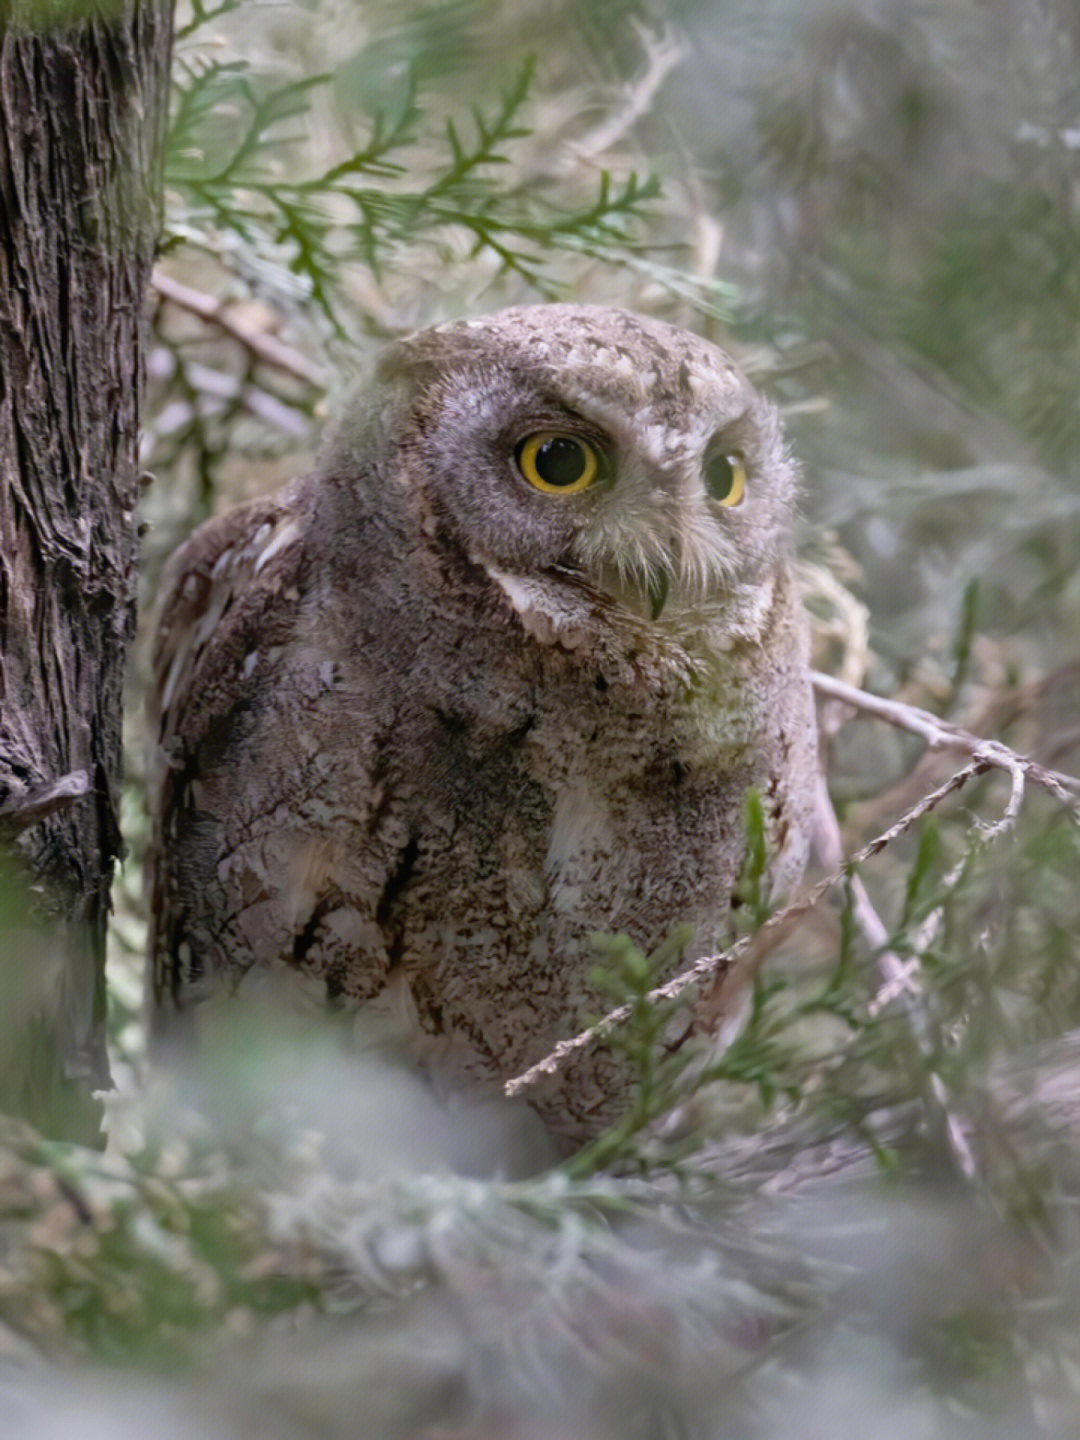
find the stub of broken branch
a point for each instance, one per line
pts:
(25, 807)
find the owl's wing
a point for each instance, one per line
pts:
(245, 868)
(219, 595)
(225, 594)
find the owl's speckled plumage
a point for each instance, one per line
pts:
(420, 731)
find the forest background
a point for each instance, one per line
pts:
(872, 1213)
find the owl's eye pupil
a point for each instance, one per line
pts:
(725, 477)
(560, 462)
(719, 476)
(557, 464)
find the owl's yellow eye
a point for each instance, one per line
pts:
(725, 477)
(557, 464)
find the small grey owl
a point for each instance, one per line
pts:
(495, 676)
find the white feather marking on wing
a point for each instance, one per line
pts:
(289, 532)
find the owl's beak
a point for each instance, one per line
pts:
(657, 591)
(645, 594)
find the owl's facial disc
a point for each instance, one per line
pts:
(648, 529)
(603, 469)
(652, 538)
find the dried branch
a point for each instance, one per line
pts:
(216, 391)
(985, 755)
(711, 966)
(896, 973)
(266, 349)
(664, 52)
(850, 625)
(942, 735)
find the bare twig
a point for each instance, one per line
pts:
(267, 349)
(896, 974)
(709, 966)
(941, 735)
(1003, 708)
(664, 52)
(954, 1128)
(217, 391)
(850, 625)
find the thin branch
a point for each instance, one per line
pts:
(710, 966)
(267, 349)
(664, 52)
(851, 623)
(896, 973)
(954, 1129)
(941, 735)
(217, 391)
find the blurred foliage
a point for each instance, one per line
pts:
(342, 204)
(860, 1216)
(241, 193)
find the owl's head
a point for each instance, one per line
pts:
(574, 449)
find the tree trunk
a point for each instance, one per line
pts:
(83, 102)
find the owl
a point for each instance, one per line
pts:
(493, 677)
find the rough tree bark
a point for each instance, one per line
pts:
(83, 100)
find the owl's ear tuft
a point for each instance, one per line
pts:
(399, 363)
(427, 353)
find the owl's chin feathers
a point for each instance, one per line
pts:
(651, 615)
(653, 558)
(555, 607)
